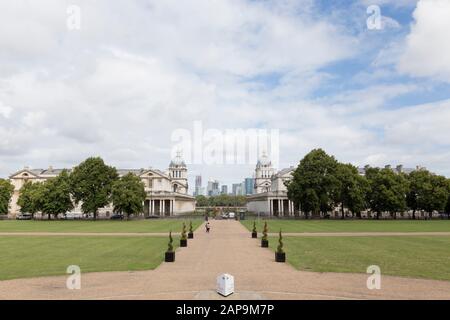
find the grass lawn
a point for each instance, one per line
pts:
(351, 225)
(416, 257)
(152, 225)
(23, 257)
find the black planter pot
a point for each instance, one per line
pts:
(190, 235)
(183, 243)
(254, 235)
(170, 256)
(280, 257)
(265, 243)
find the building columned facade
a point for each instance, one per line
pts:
(167, 192)
(270, 193)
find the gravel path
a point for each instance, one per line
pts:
(228, 248)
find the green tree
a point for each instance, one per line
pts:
(6, 192)
(314, 184)
(30, 197)
(353, 189)
(427, 192)
(388, 191)
(202, 201)
(55, 195)
(91, 183)
(128, 195)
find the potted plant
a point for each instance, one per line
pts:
(170, 253)
(191, 231)
(264, 239)
(280, 255)
(254, 232)
(183, 239)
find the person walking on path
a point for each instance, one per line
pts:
(207, 226)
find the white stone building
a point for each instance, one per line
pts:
(167, 192)
(270, 192)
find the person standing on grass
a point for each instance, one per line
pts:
(207, 226)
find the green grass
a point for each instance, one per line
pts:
(351, 225)
(416, 257)
(23, 257)
(139, 226)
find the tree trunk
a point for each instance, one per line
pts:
(342, 211)
(49, 217)
(414, 214)
(378, 215)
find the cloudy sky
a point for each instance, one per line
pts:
(137, 70)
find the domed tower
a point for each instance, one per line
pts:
(263, 174)
(178, 173)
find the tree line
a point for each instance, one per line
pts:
(221, 200)
(320, 184)
(92, 183)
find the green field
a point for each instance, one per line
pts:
(140, 226)
(23, 257)
(416, 257)
(351, 225)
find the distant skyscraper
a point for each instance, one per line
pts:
(249, 182)
(224, 189)
(213, 188)
(234, 188)
(198, 186)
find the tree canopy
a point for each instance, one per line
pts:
(6, 192)
(128, 195)
(55, 195)
(30, 197)
(91, 183)
(314, 184)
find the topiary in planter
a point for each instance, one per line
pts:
(254, 232)
(264, 239)
(183, 239)
(280, 255)
(191, 231)
(170, 253)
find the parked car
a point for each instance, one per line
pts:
(117, 217)
(231, 215)
(72, 216)
(24, 216)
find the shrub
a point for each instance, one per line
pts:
(183, 232)
(280, 243)
(265, 230)
(170, 245)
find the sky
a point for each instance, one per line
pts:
(116, 79)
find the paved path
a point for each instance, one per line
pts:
(228, 248)
(286, 234)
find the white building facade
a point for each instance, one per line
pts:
(270, 192)
(167, 192)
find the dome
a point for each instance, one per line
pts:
(177, 161)
(263, 160)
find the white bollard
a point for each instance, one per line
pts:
(225, 284)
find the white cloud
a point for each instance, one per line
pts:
(427, 51)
